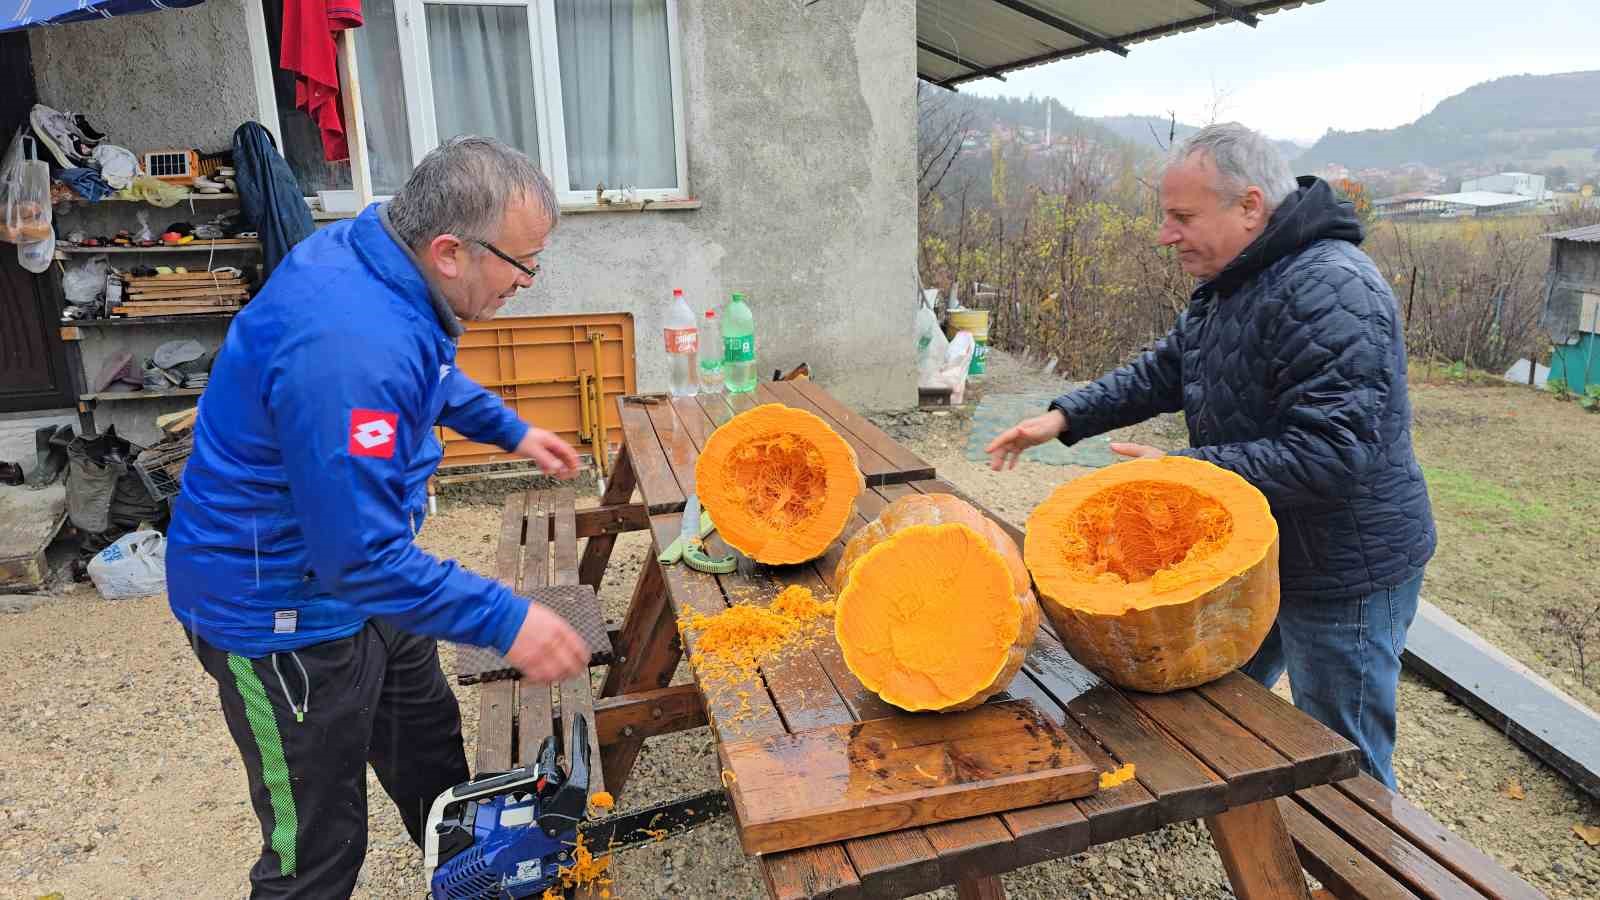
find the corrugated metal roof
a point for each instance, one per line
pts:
(1481, 198)
(963, 40)
(1587, 234)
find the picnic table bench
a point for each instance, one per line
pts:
(1252, 766)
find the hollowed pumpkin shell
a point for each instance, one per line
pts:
(935, 612)
(779, 483)
(1159, 574)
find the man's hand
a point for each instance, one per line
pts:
(554, 456)
(1005, 450)
(547, 650)
(1137, 451)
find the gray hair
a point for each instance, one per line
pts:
(1243, 158)
(464, 187)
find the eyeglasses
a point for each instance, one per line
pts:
(508, 258)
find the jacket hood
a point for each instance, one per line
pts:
(1312, 213)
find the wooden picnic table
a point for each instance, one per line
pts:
(1223, 752)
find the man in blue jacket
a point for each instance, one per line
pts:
(291, 563)
(1290, 367)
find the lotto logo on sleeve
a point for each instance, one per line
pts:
(372, 433)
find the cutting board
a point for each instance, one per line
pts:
(815, 787)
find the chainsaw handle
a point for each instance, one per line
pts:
(565, 807)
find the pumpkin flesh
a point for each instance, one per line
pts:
(1159, 574)
(779, 483)
(936, 612)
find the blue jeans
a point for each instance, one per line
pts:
(1343, 659)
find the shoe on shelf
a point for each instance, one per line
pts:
(55, 131)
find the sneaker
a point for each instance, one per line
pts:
(55, 130)
(90, 134)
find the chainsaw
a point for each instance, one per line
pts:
(510, 834)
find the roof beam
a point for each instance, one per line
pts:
(1062, 25)
(956, 58)
(1231, 11)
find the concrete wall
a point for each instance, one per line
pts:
(177, 76)
(801, 133)
(802, 145)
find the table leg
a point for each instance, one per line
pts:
(597, 552)
(1256, 852)
(647, 652)
(988, 888)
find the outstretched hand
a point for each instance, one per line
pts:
(553, 455)
(1137, 451)
(1005, 450)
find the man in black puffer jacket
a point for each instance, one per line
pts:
(1290, 368)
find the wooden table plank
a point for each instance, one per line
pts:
(1185, 787)
(908, 466)
(874, 468)
(813, 872)
(657, 483)
(972, 848)
(693, 417)
(1347, 875)
(864, 778)
(1419, 871)
(1468, 862)
(681, 452)
(1254, 771)
(1319, 754)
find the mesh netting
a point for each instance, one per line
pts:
(779, 479)
(1144, 530)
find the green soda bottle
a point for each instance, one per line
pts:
(739, 346)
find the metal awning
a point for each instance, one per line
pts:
(963, 40)
(20, 14)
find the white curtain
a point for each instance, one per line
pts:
(616, 93)
(482, 70)
(383, 98)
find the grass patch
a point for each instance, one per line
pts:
(1464, 492)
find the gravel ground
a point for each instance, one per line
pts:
(120, 779)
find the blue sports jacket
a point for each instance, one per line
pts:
(312, 450)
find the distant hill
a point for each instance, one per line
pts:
(1153, 132)
(1522, 121)
(1034, 112)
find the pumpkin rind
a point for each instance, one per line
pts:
(779, 483)
(936, 610)
(1159, 574)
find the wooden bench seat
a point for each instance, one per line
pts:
(1362, 840)
(538, 550)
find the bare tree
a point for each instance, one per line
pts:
(942, 124)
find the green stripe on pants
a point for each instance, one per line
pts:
(274, 770)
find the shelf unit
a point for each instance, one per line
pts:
(127, 321)
(146, 394)
(194, 247)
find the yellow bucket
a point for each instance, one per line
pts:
(977, 322)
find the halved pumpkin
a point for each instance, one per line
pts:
(1159, 574)
(779, 483)
(936, 612)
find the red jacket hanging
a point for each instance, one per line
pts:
(308, 50)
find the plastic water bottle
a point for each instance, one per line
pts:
(683, 346)
(739, 346)
(711, 360)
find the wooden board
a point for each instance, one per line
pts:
(170, 309)
(1530, 710)
(865, 778)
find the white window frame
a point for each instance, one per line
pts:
(416, 72)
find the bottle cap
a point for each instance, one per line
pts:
(677, 292)
(711, 314)
(738, 297)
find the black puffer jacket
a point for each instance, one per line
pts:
(1290, 368)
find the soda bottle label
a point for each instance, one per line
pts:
(739, 349)
(682, 340)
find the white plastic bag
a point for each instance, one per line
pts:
(25, 214)
(135, 565)
(84, 282)
(36, 256)
(931, 347)
(952, 371)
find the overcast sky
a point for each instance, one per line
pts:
(1345, 64)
